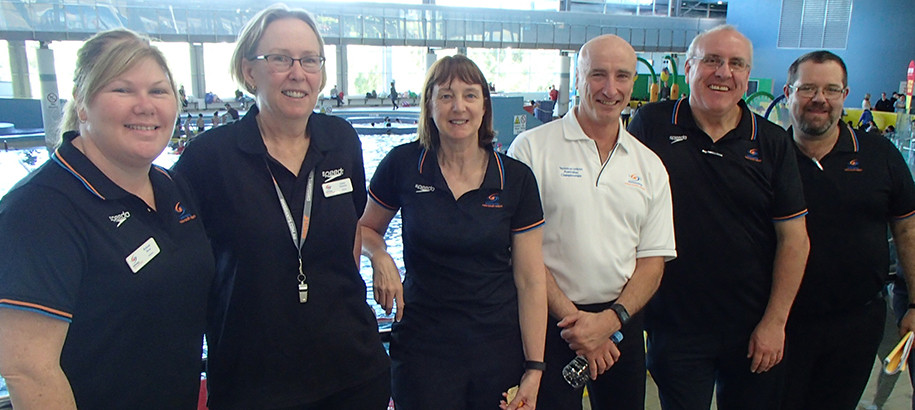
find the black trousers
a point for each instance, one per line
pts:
(374, 394)
(456, 377)
(620, 387)
(688, 367)
(830, 358)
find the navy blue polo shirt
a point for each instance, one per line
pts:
(67, 233)
(459, 284)
(864, 183)
(727, 195)
(267, 350)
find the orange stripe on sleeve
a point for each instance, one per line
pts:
(34, 306)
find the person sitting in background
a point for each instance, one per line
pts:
(106, 272)
(472, 253)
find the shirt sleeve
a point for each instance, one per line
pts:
(902, 197)
(788, 194)
(43, 252)
(383, 188)
(529, 214)
(359, 187)
(656, 235)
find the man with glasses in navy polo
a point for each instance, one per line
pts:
(718, 318)
(855, 184)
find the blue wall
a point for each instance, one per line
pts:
(880, 44)
(22, 113)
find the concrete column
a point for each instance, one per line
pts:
(342, 68)
(388, 57)
(19, 69)
(564, 84)
(51, 111)
(431, 58)
(198, 79)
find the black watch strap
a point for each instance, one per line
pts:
(621, 312)
(534, 365)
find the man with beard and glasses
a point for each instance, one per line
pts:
(718, 318)
(855, 185)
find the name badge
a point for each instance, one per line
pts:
(145, 253)
(335, 188)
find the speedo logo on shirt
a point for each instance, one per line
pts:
(422, 189)
(119, 218)
(677, 138)
(332, 174)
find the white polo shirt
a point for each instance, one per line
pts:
(599, 217)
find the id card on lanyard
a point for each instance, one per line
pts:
(298, 240)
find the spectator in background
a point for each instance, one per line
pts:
(394, 96)
(232, 112)
(554, 94)
(866, 103)
(899, 103)
(884, 104)
(867, 117)
(201, 125)
(215, 119)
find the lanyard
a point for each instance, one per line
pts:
(297, 240)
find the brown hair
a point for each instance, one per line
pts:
(443, 72)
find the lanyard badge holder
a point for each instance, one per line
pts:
(297, 240)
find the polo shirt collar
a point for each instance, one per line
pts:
(251, 141)
(71, 159)
(846, 142)
(572, 131)
(682, 116)
(427, 165)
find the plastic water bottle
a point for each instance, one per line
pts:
(576, 372)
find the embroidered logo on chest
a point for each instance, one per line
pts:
(677, 138)
(571, 172)
(493, 201)
(635, 180)
(332, 174)
(422, 189)
(119, 218)
(753, 155)
(853, 166)
(183, 215)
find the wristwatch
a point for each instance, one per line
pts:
(621, 312)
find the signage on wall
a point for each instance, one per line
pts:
(910, 80)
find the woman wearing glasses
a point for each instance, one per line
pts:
(281, 191)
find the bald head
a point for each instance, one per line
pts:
(605, 45)
(606, 74)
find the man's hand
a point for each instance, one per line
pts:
(767, 346)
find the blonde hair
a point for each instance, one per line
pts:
(104, 57)
(251, 34)
(443, 72)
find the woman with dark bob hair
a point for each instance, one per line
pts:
(281, 193)
(106, 267)
(471, 312)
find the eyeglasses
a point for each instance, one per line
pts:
(736, 65)
(283, 63)
(831, 92)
